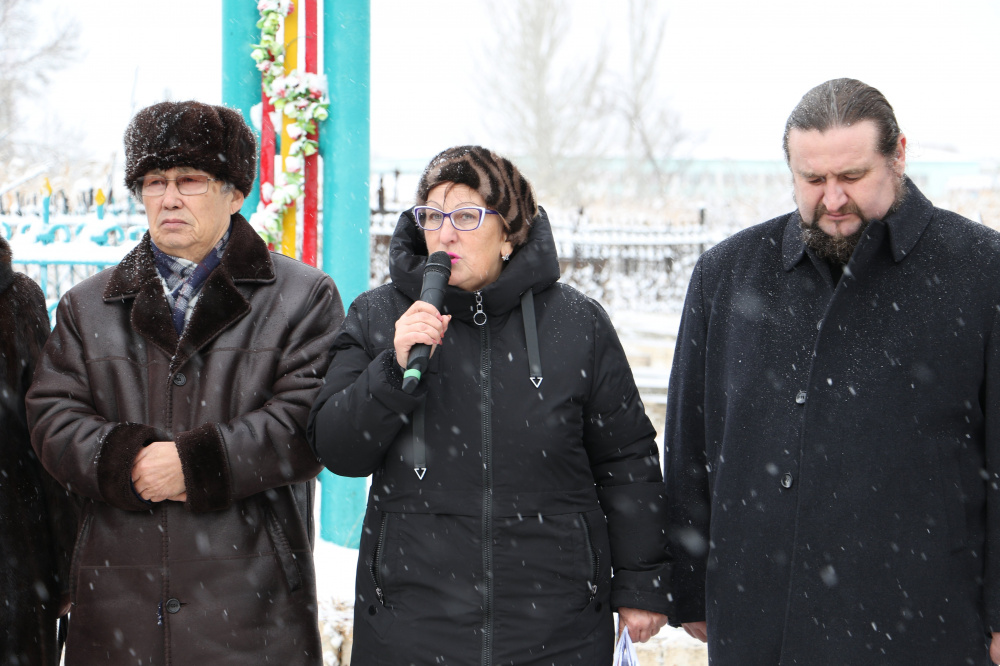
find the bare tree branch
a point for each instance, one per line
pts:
(654, 130)
(26, 63)
(585, 132)
(551, 111)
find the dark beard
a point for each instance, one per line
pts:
(838, 249)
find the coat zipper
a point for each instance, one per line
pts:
(376, 569)
(484, 338)
(595, 559)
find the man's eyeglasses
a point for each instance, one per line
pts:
(463, 219)
(154, 186)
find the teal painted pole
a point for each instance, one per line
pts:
(344, 147)
(240, 78)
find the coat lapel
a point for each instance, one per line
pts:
(135, 278)
(220, 303)
(907, 224)
(219, 306)
(151, 317)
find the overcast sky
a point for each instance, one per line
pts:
(732, 70)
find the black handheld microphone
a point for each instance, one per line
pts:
(436, 275)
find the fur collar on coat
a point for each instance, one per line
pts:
(246, 260)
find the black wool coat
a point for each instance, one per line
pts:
(540, 509)
(37, 517)
(834, 449)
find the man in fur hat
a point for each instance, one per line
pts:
(172, 398)
(37, 518)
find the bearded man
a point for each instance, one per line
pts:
(833, 426)
(171, 399)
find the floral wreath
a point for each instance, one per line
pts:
(301, 96)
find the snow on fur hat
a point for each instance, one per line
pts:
(214, 139)
(497, 181)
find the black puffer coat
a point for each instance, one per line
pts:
(501, 554)
(37, 517)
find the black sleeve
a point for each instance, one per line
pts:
(621, 447)
(685, 471)
(362, 407)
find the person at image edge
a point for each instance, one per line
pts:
(833, 422)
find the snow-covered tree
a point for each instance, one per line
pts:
(654, 131)
(549, 109)
(28, 56)
(589, 128)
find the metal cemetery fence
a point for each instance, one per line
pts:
(626, 268)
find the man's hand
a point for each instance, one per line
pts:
(157, 473)
(642, 624)
(697, 630)
(995, 648)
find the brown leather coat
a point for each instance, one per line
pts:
(226, 577)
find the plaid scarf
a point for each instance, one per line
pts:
(184, 279)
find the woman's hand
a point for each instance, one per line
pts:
(420, 324)
(642, 624)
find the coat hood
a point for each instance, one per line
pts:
(534, 266)
(245, 260)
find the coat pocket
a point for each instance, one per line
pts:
(597, 609)
(370, 600)
(81, 540)
(594, 555)
(283, 551)
(377, 563)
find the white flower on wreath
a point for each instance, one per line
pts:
(301, 97)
